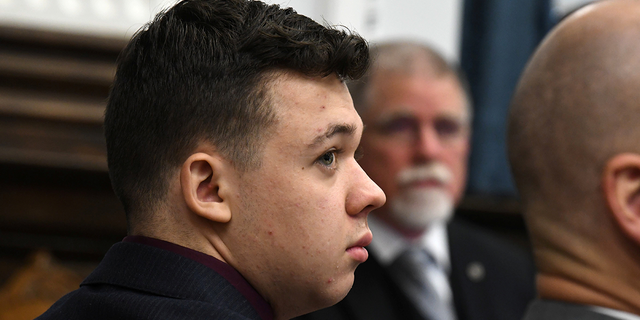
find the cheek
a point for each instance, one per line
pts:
(315, 215)
(383, 164)
(458, 165)
(273, 209)
(327, 213)
(384, 158)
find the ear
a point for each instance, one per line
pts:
(204, 186)
(621, 184)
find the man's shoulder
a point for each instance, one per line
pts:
(136, 281)
(112, 302)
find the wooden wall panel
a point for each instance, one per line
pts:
(54, 187)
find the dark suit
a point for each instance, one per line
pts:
(490, 280)
(136, 281)
(556, 310)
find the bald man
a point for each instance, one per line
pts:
(574, 147)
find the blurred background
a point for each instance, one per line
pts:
(58, 215)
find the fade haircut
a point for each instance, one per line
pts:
(405, 58)
(199, 73)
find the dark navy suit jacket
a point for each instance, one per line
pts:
(137, 281)
(490, 280)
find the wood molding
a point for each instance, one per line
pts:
(54, 184)
(53, 90)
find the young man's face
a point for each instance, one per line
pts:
(302, 215)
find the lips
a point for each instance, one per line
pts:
(358, 251)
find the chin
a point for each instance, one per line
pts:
(417, 209)
(316, 300)
(334, 292)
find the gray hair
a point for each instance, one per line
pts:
(405, 58)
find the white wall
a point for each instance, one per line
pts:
(436, 22)
(433, 21)
(562, 7)
(113, 18)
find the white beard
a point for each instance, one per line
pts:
(418, 208)
(415, 208)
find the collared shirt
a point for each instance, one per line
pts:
(226, 271)
(388, 244)
(615, 313)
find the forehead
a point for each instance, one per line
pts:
(417, 95)
(308, 105)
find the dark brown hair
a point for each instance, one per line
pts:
(197, 73)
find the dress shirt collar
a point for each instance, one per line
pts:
(223, 269)
(388, 244)
(615, 313)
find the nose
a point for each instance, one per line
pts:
(365, 195)
(428, 144)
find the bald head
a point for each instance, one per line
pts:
(576, 104)
(574, 148)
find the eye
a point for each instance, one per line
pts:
(447, 127)
(328, 159)
(399, 125)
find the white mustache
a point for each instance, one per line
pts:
(431, 171)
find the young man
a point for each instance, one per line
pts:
(416, 145)
(575, 154)
(231, 143)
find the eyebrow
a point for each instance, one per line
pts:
(389, 117)
(385, 118)
(332, 130)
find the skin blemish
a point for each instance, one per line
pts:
(323, 107)
(330, 280)
(270, 233)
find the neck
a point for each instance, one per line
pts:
(180, 234)
(615, 295)
(583, 258)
